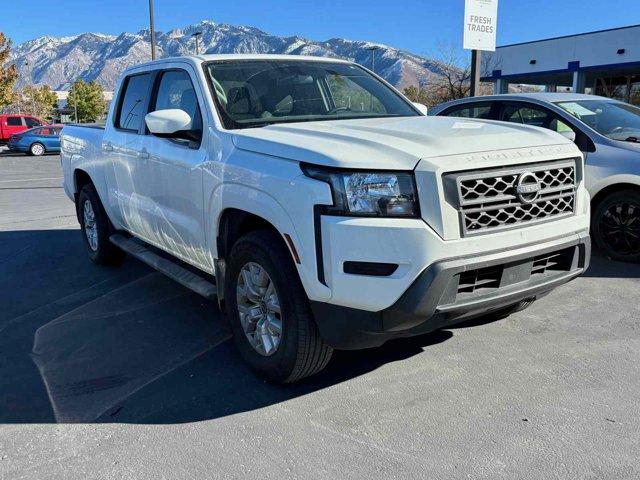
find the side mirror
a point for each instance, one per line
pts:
(570, 134)
(171, 123)
(421, 108)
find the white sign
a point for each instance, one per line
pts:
(480, 24)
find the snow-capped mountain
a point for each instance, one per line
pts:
(93, 56)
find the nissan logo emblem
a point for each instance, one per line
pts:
(527, 187)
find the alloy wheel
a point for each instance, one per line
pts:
(37, 149)
(620, 228)
(90, 227)
(259, 309)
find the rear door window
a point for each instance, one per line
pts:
(533, 115)
(471, 110)
(32, 122)
(132, 104)
(49, 131)
(14, 121)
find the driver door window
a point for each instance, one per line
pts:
(176, 91)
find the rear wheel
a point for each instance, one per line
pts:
(269, 312)
(616, 226)
(96, 228)
(37, 149)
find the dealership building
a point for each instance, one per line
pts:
(605, 62)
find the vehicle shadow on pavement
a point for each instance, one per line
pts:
(605, 268)
(82, 344)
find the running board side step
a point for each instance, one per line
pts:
(165, 266)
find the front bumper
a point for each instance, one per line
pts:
(453, 290)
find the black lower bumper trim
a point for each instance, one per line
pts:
(434, 300)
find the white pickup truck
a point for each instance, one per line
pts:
(320, 207)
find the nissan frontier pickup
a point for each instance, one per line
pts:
(319, 207)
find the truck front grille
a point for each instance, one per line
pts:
(488, 200)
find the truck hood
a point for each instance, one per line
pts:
(389, 143)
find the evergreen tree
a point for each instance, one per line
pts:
(88, 98)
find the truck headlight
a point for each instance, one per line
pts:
(372, 194)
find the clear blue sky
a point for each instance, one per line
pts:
(415, 25)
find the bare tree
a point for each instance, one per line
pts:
(455, 79)
(452, 82)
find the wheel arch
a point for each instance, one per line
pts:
(80, 179)
(233, 224)
(606, 190)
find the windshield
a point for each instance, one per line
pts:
(253, 93)
(618, 121)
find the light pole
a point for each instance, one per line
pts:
(197, 36)
(152, 31)
(75, 102)
(373, 57)
(475, 72)
(33, 100)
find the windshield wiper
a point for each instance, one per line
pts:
(254, 124)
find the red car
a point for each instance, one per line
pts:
(11, 124)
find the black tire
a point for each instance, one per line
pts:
(615, 226)
(301, 351)
(103, 252)
(37, 149)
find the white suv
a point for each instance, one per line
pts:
(320, 207)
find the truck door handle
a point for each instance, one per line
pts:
(143, 154)
(107, 147)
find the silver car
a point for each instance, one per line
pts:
(608, 133)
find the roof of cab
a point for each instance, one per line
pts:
(198, 59)
(544, 97)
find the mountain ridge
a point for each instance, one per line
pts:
(59, 61)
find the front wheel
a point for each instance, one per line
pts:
(616, 226)
(37, 150)
(269, 313)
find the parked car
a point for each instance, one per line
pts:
(37, 141)
(11, 124)
(319, 206)
(606, 131)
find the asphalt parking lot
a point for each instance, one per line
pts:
(122, 373)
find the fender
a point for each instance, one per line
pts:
(614, 180)
(259, 203)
